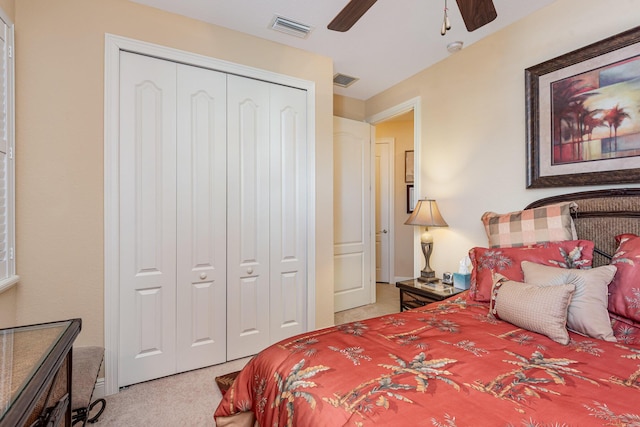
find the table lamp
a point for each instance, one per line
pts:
(426, 214)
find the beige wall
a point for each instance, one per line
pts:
(473, 116)
(8, 6)
(402, 132)
(8, 312)
(60, 68)
(348, 108)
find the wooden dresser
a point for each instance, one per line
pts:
(35, 374)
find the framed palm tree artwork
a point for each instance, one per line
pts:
(583, 115)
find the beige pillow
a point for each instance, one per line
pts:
(541, 309)
(550, 223)
(588, 314)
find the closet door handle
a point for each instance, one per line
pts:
(203, 276)
(249, 270)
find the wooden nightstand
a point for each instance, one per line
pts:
(414, 293)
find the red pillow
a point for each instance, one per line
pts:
(506, 261)
(625, 330)
(624, 290)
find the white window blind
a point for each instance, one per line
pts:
(8, 275)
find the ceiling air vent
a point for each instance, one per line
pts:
(343, 80)
(288, 26)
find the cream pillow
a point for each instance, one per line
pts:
(541, 309)
(588, 313)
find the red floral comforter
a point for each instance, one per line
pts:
(446, 364)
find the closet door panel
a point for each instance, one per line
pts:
(201, 217)
(287, 215)
(147, 219)
(247, 216)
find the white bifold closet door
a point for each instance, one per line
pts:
(172, 218)
(266, 223)
(213, 212)
(201, 218)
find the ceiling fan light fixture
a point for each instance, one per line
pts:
(446, 24)
(289, 26)
(454, 47)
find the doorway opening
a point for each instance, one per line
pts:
(398, 131)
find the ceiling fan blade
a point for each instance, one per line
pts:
(351, 13)
(476, 13)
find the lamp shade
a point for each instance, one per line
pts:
(426, 213)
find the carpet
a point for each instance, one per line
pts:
(224, 382)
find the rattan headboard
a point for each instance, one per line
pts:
(602, 215)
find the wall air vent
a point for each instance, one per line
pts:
(343, 80)
(288, 26)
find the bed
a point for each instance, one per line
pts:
(547, 335)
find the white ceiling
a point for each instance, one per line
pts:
(394, 40)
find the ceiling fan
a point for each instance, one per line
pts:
(475, 13)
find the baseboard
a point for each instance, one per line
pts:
(98, 390)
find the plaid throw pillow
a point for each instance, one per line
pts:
(552, 223)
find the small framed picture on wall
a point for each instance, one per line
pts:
(410, 199)
(408, 167)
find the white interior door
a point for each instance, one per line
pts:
(247, 217)
(384, 196)
(147, 219)
(201, 218)
(353, 214)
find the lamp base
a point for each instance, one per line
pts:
(428, 276)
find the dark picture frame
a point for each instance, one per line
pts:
(410, 199)
(596, 82)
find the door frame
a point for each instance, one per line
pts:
(113, 46)
(414, 104)
(392, 229)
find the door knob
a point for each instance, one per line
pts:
(384, 231)
(249, 270)
(203, 276)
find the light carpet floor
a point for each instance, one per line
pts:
(387, 302)
(189, 399)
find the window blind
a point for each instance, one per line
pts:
(7, 189)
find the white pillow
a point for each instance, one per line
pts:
(588, 314)
(541, 309)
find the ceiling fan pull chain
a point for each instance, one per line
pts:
(446, 24)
